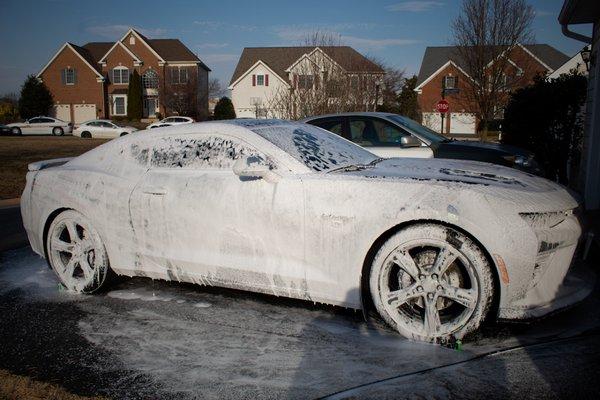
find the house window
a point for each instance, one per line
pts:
(450, 82)
(305, 81)
(260, 80)
(150, 79)
(68, 76)
(179, 75)
(119, 105)
(120, 76)
(132, 40)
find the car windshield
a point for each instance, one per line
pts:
(316, 148)
(419, 129)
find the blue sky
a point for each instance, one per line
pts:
(396, 32)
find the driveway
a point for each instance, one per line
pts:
(153, 339)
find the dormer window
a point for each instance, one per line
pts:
(68, 76)
(120, 76)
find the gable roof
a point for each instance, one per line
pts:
(83, 54)
(121, 45)
(279, 59)
(170, 50)
(436, 57)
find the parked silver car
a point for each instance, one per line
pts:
(41, 126)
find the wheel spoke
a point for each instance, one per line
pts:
(465, 297)
(72, 229)
(61, 245)
(405, 261)
(445, 257)
(397, 298)
(86, 268)
(431, 320)
(70, 267)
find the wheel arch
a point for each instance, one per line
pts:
(51, 217)
(365, 298)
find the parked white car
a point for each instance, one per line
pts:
(101, 128)
(292, 210)
(41, 126)
(169, 121)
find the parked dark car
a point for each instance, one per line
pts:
(4, 130)
(392, 135)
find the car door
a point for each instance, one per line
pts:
(195, 220)
(46, 125)
(384, 138)
(32, 126)
(108, 130)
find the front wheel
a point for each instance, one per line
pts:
(432, 283)
(58, 131)
(76, 253)
(16, 131)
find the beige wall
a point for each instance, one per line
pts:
(243, 93)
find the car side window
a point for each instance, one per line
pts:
(46, 120)
(34, 121)
(203, 152)
(93, 123)
(374, 132)
(106, 125)
(332, 125)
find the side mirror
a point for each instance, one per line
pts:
(253, 167)
(410, 141)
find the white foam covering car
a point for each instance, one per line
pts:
(292, 210)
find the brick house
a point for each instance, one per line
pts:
(91, 81)
(263, 73)
(442, 68)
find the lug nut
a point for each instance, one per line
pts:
(419, 288)
(439, 287)
(434, 276)
(421, 277)
(430, 296)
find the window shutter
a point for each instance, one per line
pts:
(63, 76)
(74, 77)
(266, 79)
(253, 80)
(456, 82)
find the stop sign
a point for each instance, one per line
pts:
(442, 106)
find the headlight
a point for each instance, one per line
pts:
(523, 161)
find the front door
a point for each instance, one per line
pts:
(196, 221)
(150, 104)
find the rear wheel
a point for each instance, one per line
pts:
(124, 133)
(86, 135)
(58, 131)
(76, 253)
(431, 283)
(16, 131)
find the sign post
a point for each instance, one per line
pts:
(442, 107)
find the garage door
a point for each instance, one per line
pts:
(62, 112)
(463, 123)
(84, 112)
(432, 120)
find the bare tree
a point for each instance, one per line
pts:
(182, 98)
(215, 90)
(319, 85)
(390, 87)
(486, 32)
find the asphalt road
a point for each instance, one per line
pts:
(12, 233)
(152, 339)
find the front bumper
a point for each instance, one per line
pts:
(543, 300)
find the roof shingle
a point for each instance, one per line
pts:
(281, 58)
(436, 57)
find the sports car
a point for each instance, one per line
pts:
(289, 209)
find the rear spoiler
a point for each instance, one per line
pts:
(39, 165)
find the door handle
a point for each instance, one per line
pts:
(156, 191)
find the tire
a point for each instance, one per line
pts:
(16, 131)
(76, 253)
(432, 283)
(58, 131)
(86, 135)
(123, 134)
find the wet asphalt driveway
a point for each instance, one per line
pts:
(147, 339)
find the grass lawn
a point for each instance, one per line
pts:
(18, 151)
